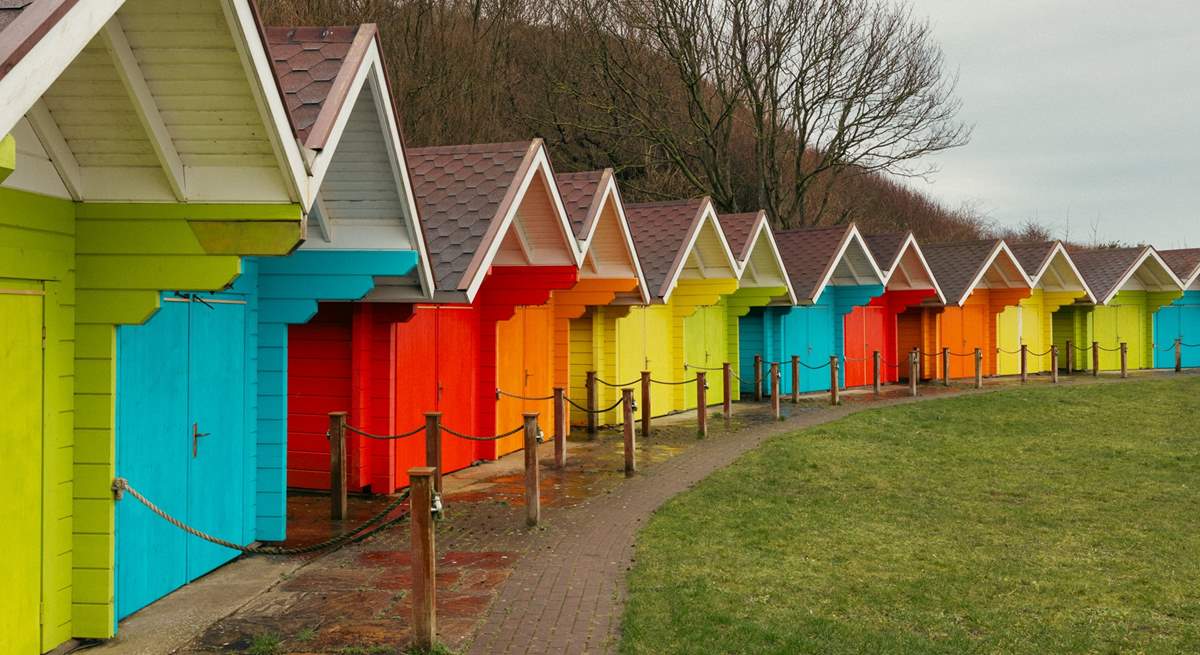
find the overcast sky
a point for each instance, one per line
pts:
(1086, 113)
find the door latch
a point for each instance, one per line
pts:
(196, 435)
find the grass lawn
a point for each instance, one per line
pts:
(1041, 520)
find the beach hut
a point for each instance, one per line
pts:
(979, 279)
(1181, 319)
(1056, 283)
(688, 268)
(135, 170)
(610, 282)
(873, 327)
(1130, 285)
(833, 272)
(762, 280)
(497, 238)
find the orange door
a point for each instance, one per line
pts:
(510, 378)
(539, 365)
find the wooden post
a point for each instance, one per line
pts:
(1095, 358)
(913, 372)
(433, 447)
(1024, 363)
(945, 367)
(834, 387)
(1178, 354)
(560, 428)
(627, 410)
(795, 379)
(338, 501)
(424, 585)
(1054, 364)
(701, 404)
(1124, 359)
(645, 404)
(1070, 360)
(978, 368)
(775, 380)
(758, 381)
(876, 372)
(533, 496)
(590, 387)
(727, 399)
(915, 355)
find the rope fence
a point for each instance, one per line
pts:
(382, 437)
(501, 392)
(121, 486)
(614, 385)
(595, 411)
(473, 437)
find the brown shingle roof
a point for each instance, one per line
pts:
(660, 230)
(578, 190)
(885, 248)
(737, 229)
(10, 10)
(809, 255)
(1104, 269)
(956, 265)
(1032, 256)
(459, 191)
(23, 24)
(314, 66)
(1185, 261)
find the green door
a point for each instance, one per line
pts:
(21, 458)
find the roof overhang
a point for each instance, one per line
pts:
(705, 214)
(762, 230)
(851, 237)
(1149, 255)
(609, 192)
(910, 243)
(536, 162)
(1060, 250)
(1001, 248)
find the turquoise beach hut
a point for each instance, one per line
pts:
(1180, 320)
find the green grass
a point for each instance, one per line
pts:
(1042, 520)
(264, 644)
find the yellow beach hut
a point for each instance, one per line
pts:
(1056, 283)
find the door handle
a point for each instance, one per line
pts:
(196, 435)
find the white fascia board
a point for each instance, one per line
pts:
(269, 100)
(763, 231)
(1060, 249)
(1000, 247)
(852, 235)
(33, 75)
(706, 214)
(1147, 253)
(911, 242)
(610, 192)
(482, 262)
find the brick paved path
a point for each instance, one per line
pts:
(567, 594)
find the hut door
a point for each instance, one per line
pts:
(1131, 326)
(21, 454)
(181, 424)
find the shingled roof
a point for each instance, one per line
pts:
(1185, 262)
(1107, 270)
(886, 248)
(578, 191)
(661, 233)
(738, 229)
(459, 191)
(810, 256)
(958, 266)
(10, 10)
(1033, 257)
(315, 67)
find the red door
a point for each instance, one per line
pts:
(864, 335)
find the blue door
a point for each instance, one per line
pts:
(181, 441)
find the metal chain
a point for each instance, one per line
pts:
(610, 384)
(501, 392)
(596, 411)
(382, 437)
(121, 485)
(471, 437)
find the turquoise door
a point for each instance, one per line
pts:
(808, 332)
(181, 426)
(1180, 320)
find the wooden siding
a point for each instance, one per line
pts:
(1030, 322)
(1178, 320)
(536, 222)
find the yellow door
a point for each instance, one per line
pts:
(21, 459)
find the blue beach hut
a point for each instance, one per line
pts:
(1180, 320)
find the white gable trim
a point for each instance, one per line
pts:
(1058, 249)
(609, 191)
(762, 230)
(257, 64)
(910, 241)
(536, 161)
(1147, 253)
(1000, 247)
(706, 214)
(852, 235)
(33, 75)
